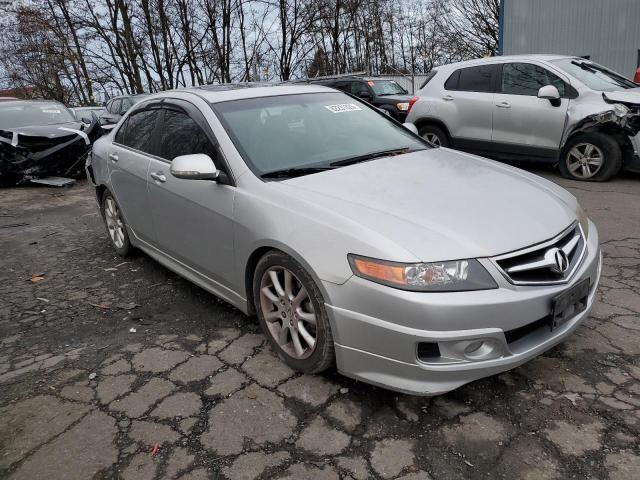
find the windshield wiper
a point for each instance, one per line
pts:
(294, 172)
(371, 156)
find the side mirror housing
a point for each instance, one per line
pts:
(365, 95)
(87, 120)
(197, 166)
(549, 92)
(411, 127)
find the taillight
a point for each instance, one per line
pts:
(636, 79)
(411, 102)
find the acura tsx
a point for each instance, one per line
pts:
(354, 241)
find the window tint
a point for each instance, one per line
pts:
(181, 135)
(119, 138)
(358, 88)
(527, 79)
(115, 106)
(138, 130)
(452, 81)
(477, 79)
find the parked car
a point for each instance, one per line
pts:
(385, 94)
(41, 138)
(549, 108)
(86, 113)
(353, 241)
(115, 108)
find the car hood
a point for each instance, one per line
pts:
(630, 96)
(440, 204)
(394, 98)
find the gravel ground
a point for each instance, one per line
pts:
(114, 369)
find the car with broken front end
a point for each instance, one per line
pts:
(42, 138)
(353, 241)
(554, 109)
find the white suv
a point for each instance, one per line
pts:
(557, 109)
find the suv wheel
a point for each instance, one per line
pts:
(435, 136)
(291, 313)
(594, 157)
(116, 227)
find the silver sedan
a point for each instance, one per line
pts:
(354, 242)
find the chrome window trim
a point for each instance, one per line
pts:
(540, 246)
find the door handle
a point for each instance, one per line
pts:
(158, 177)
(113, 157)
(503, 105)
(447, 98)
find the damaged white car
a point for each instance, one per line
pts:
(562, 110)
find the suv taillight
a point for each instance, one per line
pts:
(636, 79)
(411, 102)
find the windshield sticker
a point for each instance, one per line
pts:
(342, 107)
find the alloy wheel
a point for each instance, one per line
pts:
(432, 139)
(584, 160)
(115, 226)
(288, 312)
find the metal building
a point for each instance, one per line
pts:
(605, 31)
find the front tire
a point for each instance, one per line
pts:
(291, 312)
(591, 157)
(116, 226)
(434, 136)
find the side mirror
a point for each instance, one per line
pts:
(197, 166)
(365, 95)
(87, 120)
(411, 127)
(549, 92)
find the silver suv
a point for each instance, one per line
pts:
(550, 108)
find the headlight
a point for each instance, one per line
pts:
(620, 110)
(583, 220)
(403, 107)
(452, 276)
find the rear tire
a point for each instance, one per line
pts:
(290, 309)
(115, 224)
(591, 157)
(434, 136)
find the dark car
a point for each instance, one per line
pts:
(118, 106)
(382, 93)
(41, 138)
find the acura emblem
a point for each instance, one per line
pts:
(559, 262)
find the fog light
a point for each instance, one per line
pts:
(473, 347)
(480, 350)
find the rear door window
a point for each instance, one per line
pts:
(137, 132)
(528, 78)
(181, 135)
(480, 78)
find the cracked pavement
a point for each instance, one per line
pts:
(121, 369)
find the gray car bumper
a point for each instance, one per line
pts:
(377, 329)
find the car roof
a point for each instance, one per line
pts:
(237, 91)
(506, 58)
(28, 102)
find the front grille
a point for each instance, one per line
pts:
(520, 332)
(548, 263)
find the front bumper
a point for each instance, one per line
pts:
(377, 329)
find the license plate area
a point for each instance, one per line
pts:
(569, 304)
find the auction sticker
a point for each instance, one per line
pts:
(342, 107)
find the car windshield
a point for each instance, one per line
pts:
(386, 87)
(310, 132)
(595, 76)
(24, 114)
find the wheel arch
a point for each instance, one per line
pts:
(424, 121)
(254, 257)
